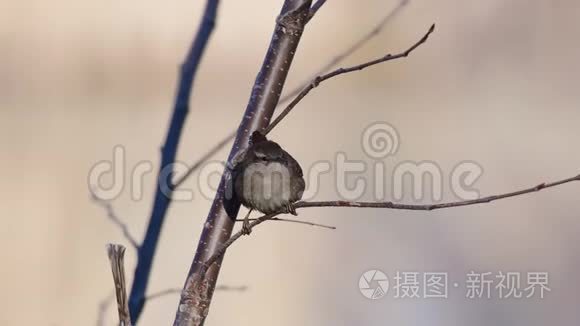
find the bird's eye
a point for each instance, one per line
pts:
(261, 156)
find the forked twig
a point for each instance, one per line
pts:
(330, 227)
(112, 215)
(316, 81)
(359, 43)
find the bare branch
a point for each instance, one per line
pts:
(359, 43)
(106, 302)
(240, 288)
(204, 159)
(332, 63)
(197, 293)
(388, 205)
(316, 81)
(116, 254)
(295, 221)
(108, 207)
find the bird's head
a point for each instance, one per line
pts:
(267, 151)
(263, 150)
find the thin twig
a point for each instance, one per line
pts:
(106, 302)
(295, 221)
(116, 255)
(162, 293)
(165, 292)
(103, 308)
(316, 81)
(226, 288)
(359, 43)
(388, 205)
(287, 97)
(203, 159)
(314, 8)
(112, 215)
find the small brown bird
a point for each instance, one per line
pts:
(264, 177)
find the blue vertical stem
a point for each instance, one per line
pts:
(164, 186)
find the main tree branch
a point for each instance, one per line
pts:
(197, 292)
(364, 39)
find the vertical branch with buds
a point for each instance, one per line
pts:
(197, 292)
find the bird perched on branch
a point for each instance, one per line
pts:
(263, 177)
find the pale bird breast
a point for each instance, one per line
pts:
(267, 186)
(269, 177)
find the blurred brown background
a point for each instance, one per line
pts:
(497, 84)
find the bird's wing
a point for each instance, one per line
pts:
(238, 157)
(293, 164)
(230, 200)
